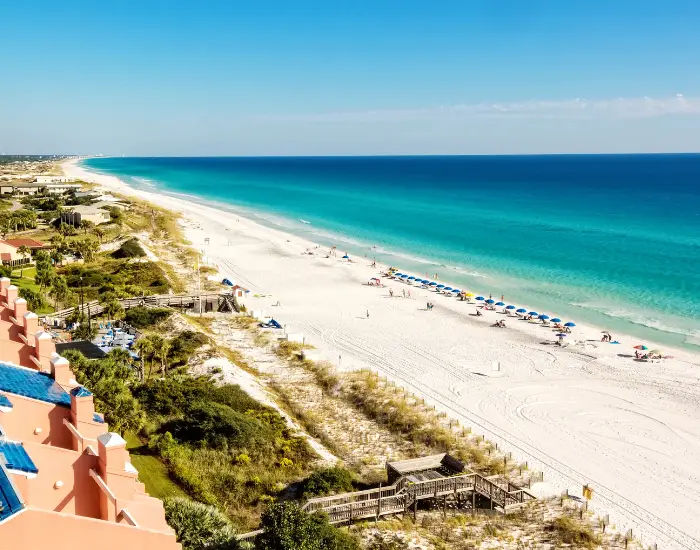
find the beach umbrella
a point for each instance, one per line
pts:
(425, 281)
(500, 304)
(404, 276)
(411, 278)
(440, 286)
(469, 295)
(556, 320)
(562, 335)
(489, 301)
(521, 310)
(479, 297)
(395, 274)
(456, 290)
(447, 288)
(533, 313)
(641, 346)
(510, 307)
(569, 324)
(433, 283)
(544, 317)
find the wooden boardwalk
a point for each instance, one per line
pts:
(210, 302)
(404, 494)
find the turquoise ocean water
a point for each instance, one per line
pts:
(612, 240)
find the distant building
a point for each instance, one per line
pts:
(74, 215)
(9, 251)
(23, 189)
(53, 179)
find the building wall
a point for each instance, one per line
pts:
(11, 250)
(38, 529)
(27, 415)
(79, 494)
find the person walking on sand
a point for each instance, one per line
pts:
(391, 292)
(368, 314)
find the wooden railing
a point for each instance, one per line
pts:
(172, 300)
(398, 497)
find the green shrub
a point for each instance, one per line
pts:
(129, 249)
(220, 427)
(326, 482)
(199, 526)
(145, 317)
(287, 527)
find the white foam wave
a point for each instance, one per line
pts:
(639, 318)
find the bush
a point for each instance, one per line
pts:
(219, 426)
(327, 481)
(144, 317)
(35, 301)
(199, 526)
(287, 527)
(129, 249)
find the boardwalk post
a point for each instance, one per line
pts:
(444, 507)
(474, 499)
(379, 502)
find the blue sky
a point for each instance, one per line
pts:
(194, 78)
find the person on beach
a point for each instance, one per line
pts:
(403, 291)
(478, 313)
(368, 314)
(391, 293)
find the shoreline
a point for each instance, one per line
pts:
(182, 202)
(581, 415)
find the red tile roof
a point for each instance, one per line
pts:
(31, 243)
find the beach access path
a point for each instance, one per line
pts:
(582, 414)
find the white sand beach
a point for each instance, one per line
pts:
(583, 414)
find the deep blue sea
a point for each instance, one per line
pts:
(612, 240)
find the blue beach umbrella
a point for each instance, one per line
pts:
(510, 307)
(561, 335)
(432, 283)
(569, 324)
(456, 290)
(404, 276)
(533, 313)
(544, 317)
(556, 320)
(411, 278)
(479, 298)
(440, 286)
(521, 310)
(500, 304)
(447, 288)
(489, 301)
(425, 281)
(398, 274)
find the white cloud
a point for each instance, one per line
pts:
(578, 108)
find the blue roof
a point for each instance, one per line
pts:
(9, 500)
(16, 458)
(97, 417)
(80, 391)
(34, 384)
(4, 401)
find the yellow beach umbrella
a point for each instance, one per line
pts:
(468, 294)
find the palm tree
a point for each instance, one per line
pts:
(59, 290)
(86, 224)
(163, 351)
(23, 251)
(145, 348)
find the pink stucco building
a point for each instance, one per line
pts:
(66, 482)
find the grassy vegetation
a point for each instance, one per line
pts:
(567, 530)
(26, 281)
(400, 413)
(152, 472)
